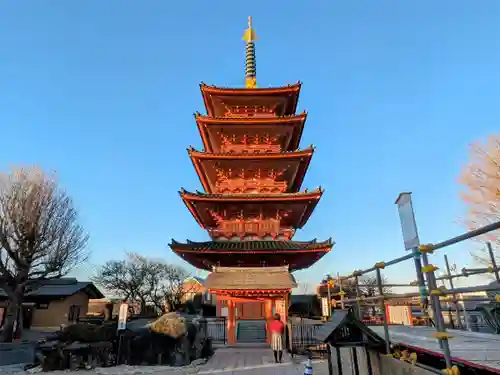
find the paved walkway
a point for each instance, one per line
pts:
(246, 361)
(480, 349)
(256, 360)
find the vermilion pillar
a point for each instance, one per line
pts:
(268, 308)
(387, 313)
(231, 322)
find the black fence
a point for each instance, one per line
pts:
(300, 340)
(217, 329)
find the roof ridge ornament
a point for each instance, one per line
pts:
(250, 61)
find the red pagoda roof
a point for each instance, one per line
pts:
(296, 254)
(283, 99)
(289, 168)
(288, 129)
(208, 208)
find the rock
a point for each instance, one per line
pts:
(181, 355)
(170, 324)
(171, 339)
(34, 370)
(199, 362)
(197, 333)
(89, 332)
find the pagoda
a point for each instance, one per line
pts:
(251, 169)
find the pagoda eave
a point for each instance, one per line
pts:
(301, 205)
(212, 89)
(252, 156)
(209, 126)
(244, 198)
(289, 92)
(297, 255)
(243, 295)
(206, 165)
(297, 260)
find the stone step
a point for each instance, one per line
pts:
(253, 335)
(252, 332)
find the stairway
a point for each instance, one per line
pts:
(251, 331)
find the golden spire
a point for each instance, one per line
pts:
(250, 63)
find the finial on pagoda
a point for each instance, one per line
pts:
(250, 62)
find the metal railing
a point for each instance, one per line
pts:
(217, 329)
(430, 294)
(300, 339)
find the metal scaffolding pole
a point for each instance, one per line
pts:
(493, 262)
(454, 296)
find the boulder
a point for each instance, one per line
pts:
(172, 339)
(171, 324)
(88, 332)
(198, 334)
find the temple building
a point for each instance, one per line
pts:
(251, 169)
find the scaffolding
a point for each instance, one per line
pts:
(429, 293)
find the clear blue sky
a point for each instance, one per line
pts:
(104, 91)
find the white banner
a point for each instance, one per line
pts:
(122, 317)
(280, 309)
(324, 306)
(407, 219)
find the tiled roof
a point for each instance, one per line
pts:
(252, 245)
(201, 280)
(244, 90)
(249, 278)
(63, 287)
(332, 329)
(270, 119)
(252, 155)
(303, 298)
(302, 194)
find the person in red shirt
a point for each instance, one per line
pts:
(277, 328)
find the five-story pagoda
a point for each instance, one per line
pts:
(251, 169)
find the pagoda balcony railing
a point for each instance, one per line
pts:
(249, 148)
(244, 186)
(253, 228)
(250, 111)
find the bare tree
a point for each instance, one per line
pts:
(145, 281)
(40, 237)
(347, 286)
(369, 286)
(481, 195)
(174, 287)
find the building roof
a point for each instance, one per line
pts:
(244, 91)
(302, 298)
(293, 165)
(299, 206)
(201, 196)
(217, 97)
(249, 246)
(246, 253)
(250, 278)
(332, 331)
(290, 127)
(198, 279)
(63, 287)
